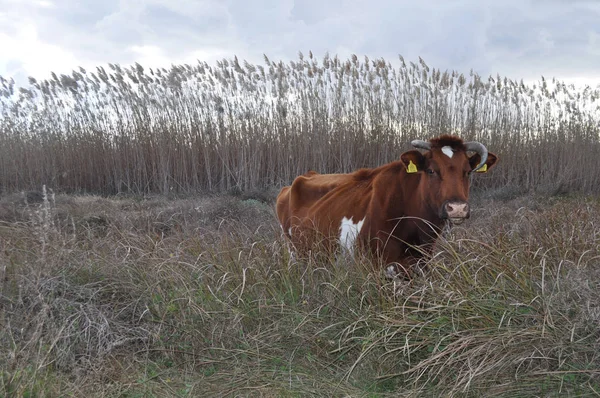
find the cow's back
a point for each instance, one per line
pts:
(314, 205)
(308, 189)
(304, 192)
(296, 200)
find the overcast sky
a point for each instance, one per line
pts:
(518, 39)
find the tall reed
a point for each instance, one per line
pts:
(236, 125)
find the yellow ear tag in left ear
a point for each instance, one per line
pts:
(483, 169)
(411, 167)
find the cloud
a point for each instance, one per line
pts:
(521, 39)
(30, 55)
(554, 40)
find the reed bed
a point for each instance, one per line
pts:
(237, 126)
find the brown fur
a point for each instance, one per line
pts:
(400, 209)
(447, 140)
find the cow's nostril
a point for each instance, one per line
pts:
(456, 210)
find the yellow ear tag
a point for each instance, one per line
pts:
(483, 169)
(411, 167)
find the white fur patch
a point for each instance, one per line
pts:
(290, 231)
(390, 272)
(349, 232)
(448, 151)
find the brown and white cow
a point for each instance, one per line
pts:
(396, 211)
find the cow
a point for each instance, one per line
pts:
(395, 212)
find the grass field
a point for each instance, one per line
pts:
(197, 296)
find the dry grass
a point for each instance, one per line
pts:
(239, 126)
(189, 297)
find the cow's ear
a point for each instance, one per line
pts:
(413, 161)
(489, 163)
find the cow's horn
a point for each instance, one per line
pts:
(480, 149)
(421, 144)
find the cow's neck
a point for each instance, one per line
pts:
(406, 201)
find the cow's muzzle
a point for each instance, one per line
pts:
(456, 211)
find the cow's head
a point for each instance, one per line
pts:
(444, 172)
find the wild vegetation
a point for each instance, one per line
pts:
(199, 297)
(239, 126)
(162, 291)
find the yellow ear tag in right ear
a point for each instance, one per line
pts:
(411, 167)
(483, 169)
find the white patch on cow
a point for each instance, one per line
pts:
(390, 272)
(349, 232)
(448, 151)
(396, 271)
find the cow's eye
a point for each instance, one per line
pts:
(430, 171)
